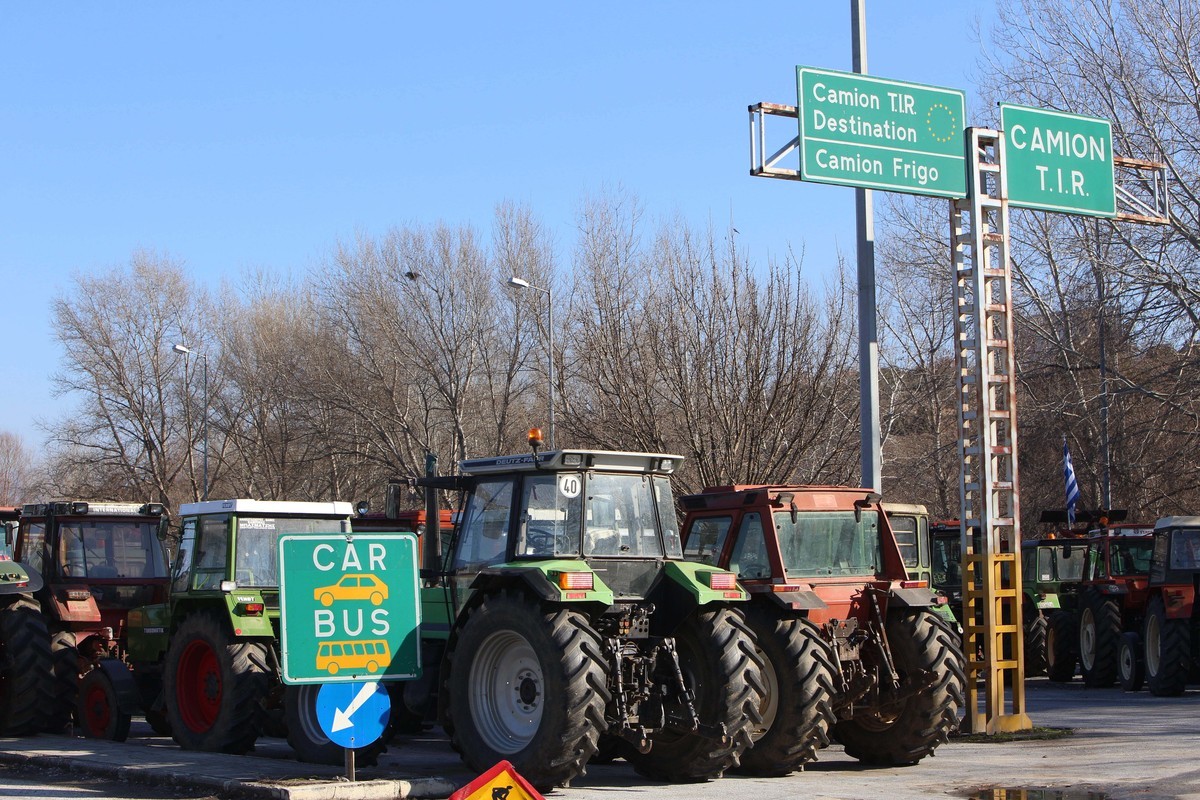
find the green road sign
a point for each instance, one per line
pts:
(1058, 162)
(349, 607)
(857, 130)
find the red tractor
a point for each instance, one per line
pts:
(856, 649)
(98, 560)
(1169, 635)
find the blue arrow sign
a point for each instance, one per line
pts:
(353, 714)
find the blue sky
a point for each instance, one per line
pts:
(240, 136)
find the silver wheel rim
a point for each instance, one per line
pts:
(506, 692)
(770, 704)
(1152, 644)
(1087, 639)
(1126, 663)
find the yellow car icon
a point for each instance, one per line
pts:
(353, 586)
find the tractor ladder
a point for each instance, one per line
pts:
(991, 529)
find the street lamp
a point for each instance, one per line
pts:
(186, 351)
(521, 283)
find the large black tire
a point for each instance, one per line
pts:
(1131, 670)
(1036, 627)
(214, 684)
(309, 741)
(1099, 637)
(99, 714)
(26, 668)
(527, 684)
(797, 711)
(723, 669)
(906, 731)
(1168, 651)
(65, 655)
(1062, 642)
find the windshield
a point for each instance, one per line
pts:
(1185, 548)
(620, 518)
(1053, 563)
(1131, 557)
(829, 543)
(947, 560)
(255, 563)
(100, 549)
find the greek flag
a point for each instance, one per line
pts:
(1071, 484)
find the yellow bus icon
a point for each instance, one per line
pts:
(369, 655)
(354, 586)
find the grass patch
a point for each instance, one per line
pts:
(1035, 734)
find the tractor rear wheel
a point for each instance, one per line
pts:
(26, 668)
(1035, 644)
(797, 711)
(722, 668)
(1131, 671)
(1099, 635)
(906, 730)
(306, 737)
(213, 684)
(99, 714)
(1061, 643)
(65, 655)
(1168, 648)
(528, 684)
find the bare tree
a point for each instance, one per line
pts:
(16, 469)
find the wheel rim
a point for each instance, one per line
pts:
(1153, 642)
(507, 692)
(1051, 644)
(1087, 639)
(198, 689)
(1125, 663)
(770, 703)
(97, 713)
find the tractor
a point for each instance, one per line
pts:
(1169, 635)
(210, 653)
(563, 621)
(98, 560)
(855, 648)
(1050, 571)
(26, 666)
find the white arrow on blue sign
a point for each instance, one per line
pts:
(353, 714)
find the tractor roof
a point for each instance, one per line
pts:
(92, 508)
(263, 508)
(805, 498)
(1177, 522)
(574, 460)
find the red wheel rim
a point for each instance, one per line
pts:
(198, 686)
(97, 712)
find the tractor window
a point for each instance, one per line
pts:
(947, 561)
(1070, 562)
(256, 559)
(829, 542)
(32, 544)
(706, 539)
(666, 515)
(619, 518)
(183, 557)
(70, 550)
(904, 528)
(551, 512)
(212, 546)
(485, 526)
(1185, 548)
(749, 557)
(1131, 558)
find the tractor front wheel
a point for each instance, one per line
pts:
(722, 668)
(528, 684)
(1130, 669)
(214, 684)
(1036, 627)
(1168, 648)
(26, 668)
(99, 714)
(1061, 641)
(1099, 635)
(797, 711)
(925, 650)
(305, 735)
(64, 652)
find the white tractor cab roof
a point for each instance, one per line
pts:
(1177, 522)
(267, 508)
(81, 507)
(567, 460)
(904, 508)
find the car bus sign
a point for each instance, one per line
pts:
(349, 607)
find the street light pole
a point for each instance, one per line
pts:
(186, 351)
(521, 283)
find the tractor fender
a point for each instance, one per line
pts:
(16, 578)
(911, 598)
(540, 579)
(805, 600)
(129, 700)
(70, 603)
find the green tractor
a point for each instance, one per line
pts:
(563, 622)
(210, 655)
(26, 666)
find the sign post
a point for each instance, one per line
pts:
(858, 130)
(349, 607)
(1056, 161)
